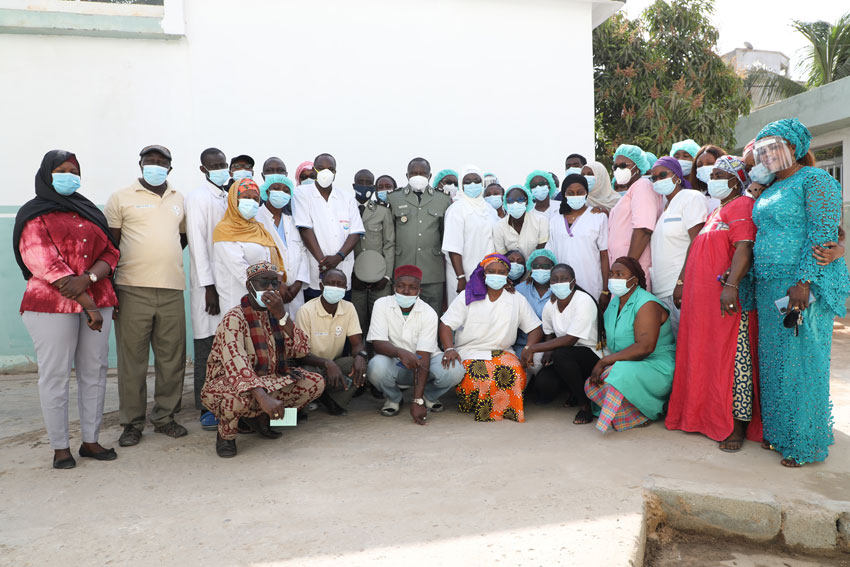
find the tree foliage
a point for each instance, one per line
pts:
(658, 80)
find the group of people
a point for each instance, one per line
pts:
(698, 288)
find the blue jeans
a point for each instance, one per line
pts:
(386, 375)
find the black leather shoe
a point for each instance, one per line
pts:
(261, 426)
(225, 448)
(332, 407)
(131, 436)
(105, 455)
(66, 463)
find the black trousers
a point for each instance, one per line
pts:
(570, 368)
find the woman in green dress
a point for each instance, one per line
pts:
(632, 383)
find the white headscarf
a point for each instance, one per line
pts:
(478, 202)
(602, 194)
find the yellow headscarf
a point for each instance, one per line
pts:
(235, 228)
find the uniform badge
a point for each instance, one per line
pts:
(403, 218)
(338, 331)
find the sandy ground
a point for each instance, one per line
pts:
(365, 489)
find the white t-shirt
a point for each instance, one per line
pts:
(580, 250)
(484, 326)
(578, 319)
(332, 222)
(415, 333)
(535, 231)
(670, 239)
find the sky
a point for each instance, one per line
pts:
(764, 23)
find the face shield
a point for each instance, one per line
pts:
(774, 153)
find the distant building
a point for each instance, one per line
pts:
(744, 59)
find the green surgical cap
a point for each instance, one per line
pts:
(270, 180)
(442, 174)
(528, 206)
(651, 158)
(686, 145)
(791, 130)
(553, 189)
(635, 154)
(538, 253)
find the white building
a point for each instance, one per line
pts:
(744, 59)
(506, 85)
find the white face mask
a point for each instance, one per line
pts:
(418, 183)
(324, 178)
(622, 175)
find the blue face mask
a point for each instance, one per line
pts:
(272, 179)
(561, 290)
(382, 196)
(576, 202)
(405, 301)
(664, 186)
(541, 276)
(516, 210)
(218, 177)
(495, 281)
(494, 201)
(308, 181)
(248, 208)
(686, 166)
(540, 192)
(517, 270)
(719, 188)
(591, 181)
(154, 175)
(66, 183)
(258, 296)
(240, 174)
(761, 175)
(333, 294)
(572, 170)
(704, 173)
(618, 286)
(279, 199)
(473, 190)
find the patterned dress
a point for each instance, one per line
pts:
(231, 371)
(792, 215)
(492, 389)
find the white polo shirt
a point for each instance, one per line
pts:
(484, 326)
(332, 221)
(578, 319)
(415, 333)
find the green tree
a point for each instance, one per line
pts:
(825, 59)
(657, 80)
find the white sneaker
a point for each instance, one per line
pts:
(434, 406)
(390, 408)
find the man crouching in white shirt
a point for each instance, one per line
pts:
(403, 332)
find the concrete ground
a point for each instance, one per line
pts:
(365, 489)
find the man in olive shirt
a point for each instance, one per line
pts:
(148, 221)
(418, 211)
(379, 244)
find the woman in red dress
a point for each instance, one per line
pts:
(715, 386)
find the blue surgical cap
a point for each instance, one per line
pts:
(553, 189)
(791, 130)
(634, 153)
(528, 205)
(538, 253)
(685, 145)
(442, 174)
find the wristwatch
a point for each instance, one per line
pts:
(362, 353)
(419, 401)
(92, 277)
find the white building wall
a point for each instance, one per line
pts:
(505, 85)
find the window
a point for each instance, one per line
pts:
(831, 159)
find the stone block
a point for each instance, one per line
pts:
(809, 526)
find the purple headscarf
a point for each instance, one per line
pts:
(476, 289)
(672, 164)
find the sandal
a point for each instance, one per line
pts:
(66, 463)
(583, 417)
(724, 445)
(172, 429)
(790, 463)
(130, 436)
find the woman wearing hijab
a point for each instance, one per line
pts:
(468, 234)
(239, 241)
(66, 253)
(801, 209)
(632, 220)
(579, 238)
(477, 331)
(520, 229)
(715, 390)
(305, 174)
(683, 218)
(600, 193)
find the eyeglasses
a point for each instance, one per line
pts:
(522, 200)
(664, 175)
(265, 283)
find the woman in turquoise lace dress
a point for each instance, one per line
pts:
(799, 210)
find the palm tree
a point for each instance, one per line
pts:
(827, 59)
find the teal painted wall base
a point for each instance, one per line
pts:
(16, 349)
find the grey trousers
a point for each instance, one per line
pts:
(432, 294)
(202, 353)
(341, 395)
(63, 339)
(150, 318)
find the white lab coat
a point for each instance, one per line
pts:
(294, 256)
(205, 208)
(468, 232)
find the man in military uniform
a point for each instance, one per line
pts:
(418, 210)
(374, 255)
